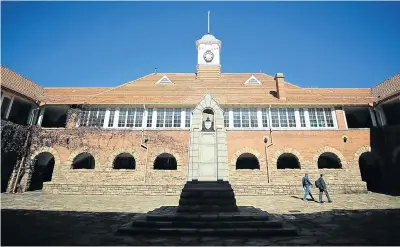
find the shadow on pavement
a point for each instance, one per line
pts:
(337, 227)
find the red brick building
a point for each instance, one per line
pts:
(152, 134)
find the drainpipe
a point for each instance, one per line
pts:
(147, 148)
(266, 146)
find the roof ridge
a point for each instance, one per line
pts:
(398, 73)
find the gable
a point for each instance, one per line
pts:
(164, 80)
(252, 80)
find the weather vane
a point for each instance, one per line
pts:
(208, 21)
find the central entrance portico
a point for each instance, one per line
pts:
(208, 158)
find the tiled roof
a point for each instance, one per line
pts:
(185, 89)
(387, 88)
(228, 90)
(19, 84)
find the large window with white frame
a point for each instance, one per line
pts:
(279, 118)
(92, 117)
(135, 117)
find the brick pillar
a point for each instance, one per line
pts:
(72, 121)
(280, 86)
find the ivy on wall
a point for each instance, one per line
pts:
(14, 137)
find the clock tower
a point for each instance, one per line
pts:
(208, 59)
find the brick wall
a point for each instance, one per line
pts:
(306, 145)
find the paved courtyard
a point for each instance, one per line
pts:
(44, 219)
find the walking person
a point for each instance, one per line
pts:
(320, 183)
(306, 185)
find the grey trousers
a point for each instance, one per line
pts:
(326, 193)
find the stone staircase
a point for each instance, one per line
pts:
(207, 208)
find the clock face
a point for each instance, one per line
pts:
(208, 56)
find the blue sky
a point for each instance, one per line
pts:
(104, 44)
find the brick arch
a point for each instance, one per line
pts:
(114, 154)
(287, 150)
(79, 151)
(396, 151)
(50, 150)
(245, 150)
(359, 152)
(330, 150)
(168, 151)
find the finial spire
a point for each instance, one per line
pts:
(208, 22)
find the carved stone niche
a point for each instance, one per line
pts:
(208, 120)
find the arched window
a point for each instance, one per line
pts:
(165, 161)
(247, 161)
(329, 161)
(370, 170)
(43, 171)
(124, 161)
(83, 161)
(288, 161)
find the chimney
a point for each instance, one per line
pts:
(280, 86)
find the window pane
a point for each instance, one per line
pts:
(236, 118)
(84, 117)
(101, 116)
(160, 117)
(93, 117)
(177, 117)
(4, 106)
(226, 118)
(245, 117)
(329, 119)
(313, 117)
(275, 117)
(302, 118)
(253, 118)
(149, 117)
(187, 117)
(291, 117)
(131, 117)
(321, 118)
(264, 114)
(122, 117)
(168, 117)
(283, 117)
(111, 118)
(139, 117)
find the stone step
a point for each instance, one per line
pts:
(207, 224)
(207, 217)
(246, 231)
(207, 208)
(207, 182)
(204, 188)
(207, 194)
(207, 201)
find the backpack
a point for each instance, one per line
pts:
(317, 183)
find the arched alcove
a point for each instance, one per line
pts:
(124, 161)
(288, 161)
(43, 170)
(83, 161)
(165, 161)
(247, 161)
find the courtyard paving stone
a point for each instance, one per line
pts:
(45, 219)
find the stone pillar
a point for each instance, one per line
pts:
(9, 107)
(72, 121)
(371, 113)
(41, 114)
